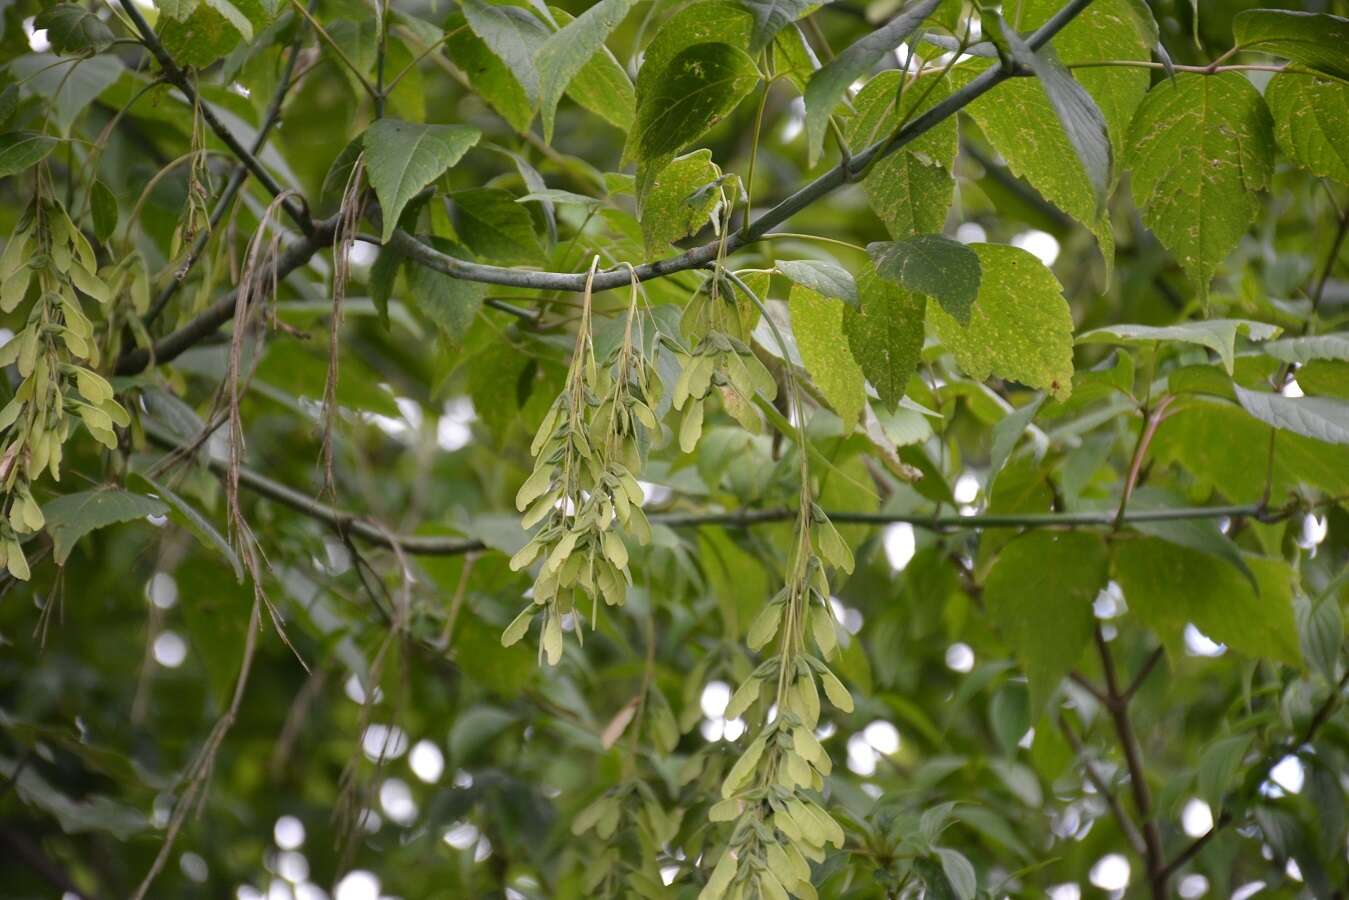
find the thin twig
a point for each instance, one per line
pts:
(430, 545)
(1126, 824)
(1118, 708)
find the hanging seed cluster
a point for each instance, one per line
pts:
(48, 258)
(583, 490)
(773, 791)
(717, 325)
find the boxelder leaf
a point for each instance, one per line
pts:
(72, 516)
(943, 269)
(21, 149)
(959, 873)
(1040, 592)
(1321, 628)
(1311, 122)
(1199, 150)
(1007, 432)
(1315, 417)
(1219, 335)
(699, 86)
(677, 205)
(1306, 349)
(72, 29)
(910, 190)
(401, 158)
(103, 206)
(1020, 328)
(1218, 766)
(514, 35)
(494, 226)
(828, 85)
(602, 85)
(885, 334)
(1169, 586)
(567, 51)
(1082, 120)
(817, 322)
(1316, 40)
(771, 16)
(821, 276)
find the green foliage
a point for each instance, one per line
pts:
(1200, 150)
(745, 481)
(402, 158)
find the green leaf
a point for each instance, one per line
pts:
(212, 30)
(66, 87)
(1219, 766)
(817, 323)
(72, 29)
(514, 35)
(1316, 40)
(451, 303)
(1021, 123)
(822, 277)
(488, 75)
(1219, 335)
(568, 50)
(1306, 349)
(943, 269)
(495, 227)
(771, 16)
(1082, 121)
(1311, 122)
(885, 334)
(1200, 148)
(828, 85)
(72, 516)
(1006, 434)
(1107, 29)
(1320, 418)
(677, 204)
(1039, 594)
(699, 86)
(21, 150)
(401, 158)
(232, 14)
(559, 197)
(1021, 328)
(910, 190)
(959, 873)
(603, 86)
(474, 727)
(187, 516)
(1321, 630)
(103, 208)
(1220, 446)
(1168, 586)
(1199, 534)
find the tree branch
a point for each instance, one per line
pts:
(231, 189)
(179, 79)
(434, 545)
(1118, 707)
(1126, 824)
(845, 172)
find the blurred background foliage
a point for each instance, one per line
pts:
(115, 667)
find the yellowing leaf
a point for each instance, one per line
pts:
(817, 323)
(1200, 149)
(1020, 328)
